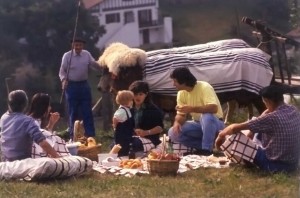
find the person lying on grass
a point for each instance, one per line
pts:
(279, 130)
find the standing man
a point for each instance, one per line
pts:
(73, 74)
(199, 100)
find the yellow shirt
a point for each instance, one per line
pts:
(202, 94)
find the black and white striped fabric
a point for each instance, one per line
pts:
(45, 168)
(229, 70)
(215, 46)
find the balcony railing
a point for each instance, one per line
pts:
(148, 24)
(119, 5)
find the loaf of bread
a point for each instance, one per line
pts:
(115, 149)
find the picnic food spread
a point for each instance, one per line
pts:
(158, 162)
(89, 142)
(166, 156)
(131, 163)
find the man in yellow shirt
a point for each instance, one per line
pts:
(199, 100)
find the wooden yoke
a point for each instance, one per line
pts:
(266, 35)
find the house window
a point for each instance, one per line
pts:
(128, 17)
(145, 16)
(112, 18)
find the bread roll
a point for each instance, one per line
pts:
(91, 142)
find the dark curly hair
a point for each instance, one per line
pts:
(184, 76)
(273, 93)
(140, 86)
(39, 105)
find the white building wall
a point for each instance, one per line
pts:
(129, 33)
(156, 35)
(168, 30)
(111, 29)
(140, 37)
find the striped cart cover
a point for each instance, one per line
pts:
(214, 46)
(229, 70)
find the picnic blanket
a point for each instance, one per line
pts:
(187, 163)
(229, 70)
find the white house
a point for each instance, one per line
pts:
(132, 22)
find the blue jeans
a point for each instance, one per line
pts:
(264, 163)
(79, 97)
(199, 135)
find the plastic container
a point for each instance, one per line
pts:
(73, 148)
(104, 156)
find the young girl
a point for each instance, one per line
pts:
(40, 111)
(123, 122)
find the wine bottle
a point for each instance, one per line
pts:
(131, 153)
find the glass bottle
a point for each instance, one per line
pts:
(131, 153)
(170, 147)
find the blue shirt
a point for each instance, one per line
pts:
(18, 131)
(280, 131)
(79, 67)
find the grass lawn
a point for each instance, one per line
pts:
(232, 182)
(236, 181)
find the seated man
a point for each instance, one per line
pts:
(198, 99)
(18, 131)
(279, 131)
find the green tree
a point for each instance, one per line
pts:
(37, 33)
(294, 13)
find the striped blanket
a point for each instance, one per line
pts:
(44, 168)
(214, 46)
(229, 70)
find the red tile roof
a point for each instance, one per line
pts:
(90, 3)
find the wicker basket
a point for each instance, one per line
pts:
(90, 152)
(163, 167)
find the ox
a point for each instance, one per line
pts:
(235, 70)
